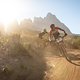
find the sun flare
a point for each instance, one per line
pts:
(9, 11)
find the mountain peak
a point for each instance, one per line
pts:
(50, 15)
(51, 19)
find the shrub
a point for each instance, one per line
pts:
(75, 42)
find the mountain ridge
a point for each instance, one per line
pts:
(40, 23)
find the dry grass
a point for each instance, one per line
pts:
(74, 42)
(26, 57)
(21, 62)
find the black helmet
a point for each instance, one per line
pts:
(52, 25)
(44, 30)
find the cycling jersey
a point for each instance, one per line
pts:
(54, 32)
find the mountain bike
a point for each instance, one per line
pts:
(59, 43)
(72, 58)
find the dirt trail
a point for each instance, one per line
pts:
(60, 69)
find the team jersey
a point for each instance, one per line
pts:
(55, 32)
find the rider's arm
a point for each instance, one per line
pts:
(61, 30)
(50, 35)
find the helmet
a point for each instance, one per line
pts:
(52, 25)
(44, 30)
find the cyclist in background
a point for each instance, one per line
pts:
(42, 33)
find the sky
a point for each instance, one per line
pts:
(67, 11)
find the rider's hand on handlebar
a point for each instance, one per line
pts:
(65, 34)
(50, 39)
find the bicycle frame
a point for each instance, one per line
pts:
(63, 51)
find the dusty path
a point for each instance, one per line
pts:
(61, 69)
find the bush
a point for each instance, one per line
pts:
(21, 63)
(75, 42)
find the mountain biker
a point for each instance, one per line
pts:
(42, 33)
(54, 32)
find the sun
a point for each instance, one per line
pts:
(9, 11)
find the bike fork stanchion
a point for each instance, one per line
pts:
(60, 49)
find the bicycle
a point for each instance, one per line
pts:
(59, 42)
(61, 46)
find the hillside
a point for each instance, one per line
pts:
(26, 57)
